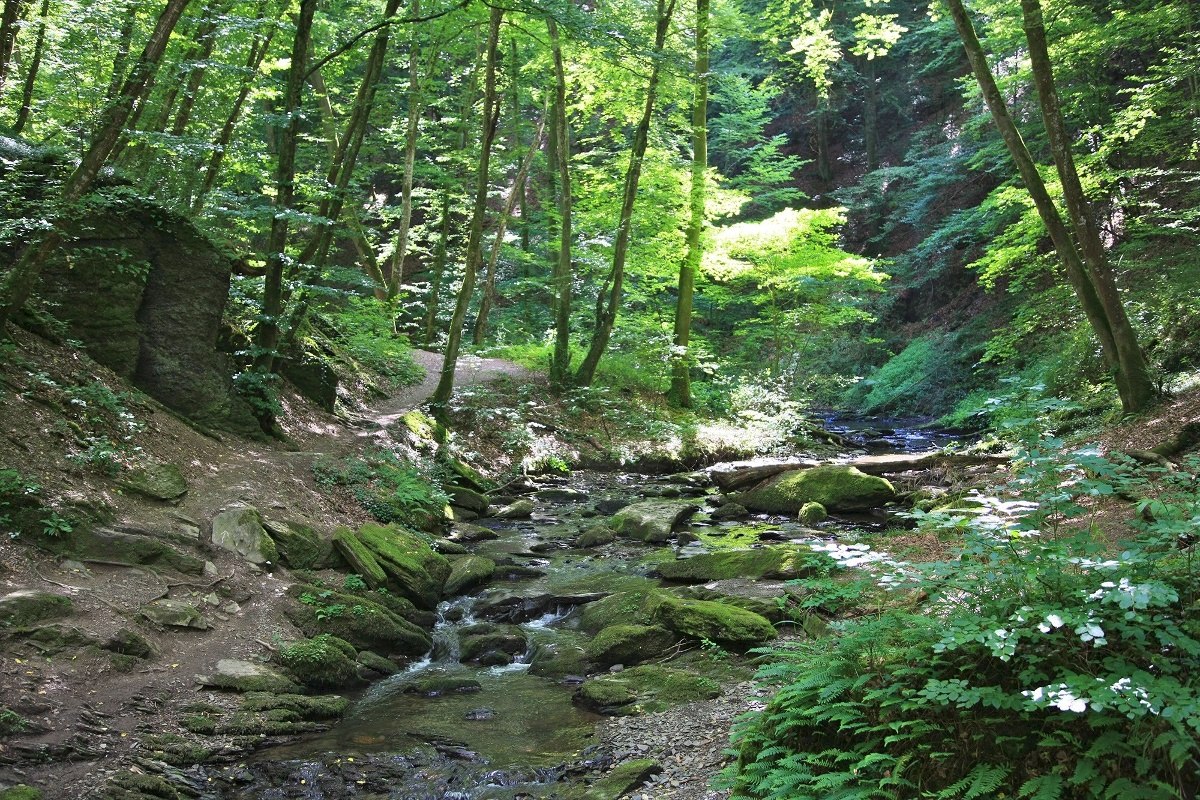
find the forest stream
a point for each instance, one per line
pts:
(451, 725)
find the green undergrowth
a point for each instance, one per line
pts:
(388, 487)
(1050, 658)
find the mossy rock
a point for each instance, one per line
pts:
(129, 785)
(240, 531)
(468, 572)
(121, 548)
(644, 689)
(247, 676)
(558, 660)
(836, 487)
(156, 482)
(55, 638)
(465, 532)
(376, 663)
(307, 707)
(173, 614)
(619, 608)
(322, 662)
(768, 603)
(274, 722)
(300, 547)
(463, 474)
(596, 536)
(129, 642)
(652, 521)
(706, 620)
(362, 561)
(811, 513)
(414, 569)
(21, 792)
(469, 499)
(437, 685)
(477, 641)
(518, 509)
(364, 623)
(422, 426)
(628, 644)
(781, 563)
(26, 607)
(173, 749)
(622, 779)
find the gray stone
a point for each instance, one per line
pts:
(240, 530)
(29, 606)
(174, 614)
(247, 676)
(520, 509)
(652, 520)
(730, 511)
(156, 481)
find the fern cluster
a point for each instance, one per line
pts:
(1045, 662)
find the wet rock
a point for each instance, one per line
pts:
(811, 513)
(628, 644)
(173, 614)
(460, 514)
(652, 521)
(558, 660)
(725, 624)
(323, 662)
(240, 530)
(782, 562)
(26, 607)
(837, 488)
(413, 569)
(476, 641)
(561, 494)
(155, 481)
(622, 779)
(611, 505)
(449, 548)
(519, 509)
(480, 714)
(466, 533)
(377, 663)
(644, 689)
(436, 685)
(248, 676)
(468, 572)
(364, 623)
(468, 498)
(596, 536)
(360, 558)
(730, 511)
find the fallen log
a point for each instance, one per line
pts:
(740, 474)
(904, 462)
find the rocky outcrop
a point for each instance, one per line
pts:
(240, 531)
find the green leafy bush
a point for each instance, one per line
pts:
(1047, 662)
(391, 489)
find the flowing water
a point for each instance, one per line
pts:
(417, 735)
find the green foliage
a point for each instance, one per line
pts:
(1047, 661)
(923, 377)
(354, 583)
(389, 488)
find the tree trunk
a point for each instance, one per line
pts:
(1047, 210)
(824, 157)
(438, 266)
(871, 117)
(1132, 374)
(606, 312)
(266, 335)
(20, 280)
(474, 254)
(124, 43)
(206, 40)
(10, 19)
(564, 277)
(414, 101)
(489, 289)
(254, 59)
(680, 393)
(31, 73)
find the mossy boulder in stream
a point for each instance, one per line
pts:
(322, 662)
(617, 782)
(781, 563)
(362, 622)
(413, 568)
(468, 572)
(629, 644)
(652, 521)
(645, 689)
(491, 645)
(836, 487)
(708, 620)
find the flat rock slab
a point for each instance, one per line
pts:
(156, 481)
(174, 614)
(28, 606)
(652, 521)
(521, 509)
(247, 676)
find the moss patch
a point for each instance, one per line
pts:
(362, 622)
(26, 607)
(837, 488)
(415, 570)
(782, 563)
(321, 662)
(628, 644)
(645, 689)
(727, 625)
(467, 573)
(300, 547)
(362, 561)
(21, 792)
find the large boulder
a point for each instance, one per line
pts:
(644, 689)
(240, 530)
(837, 488)
(628, 644)
(468, 572)
(247, 676)
(414, 569)
(118, 547)
(781, 563)
(155, 481)
(652, 521)
(299, 546)
(364, 623)
(707, 620)
(27, 607)
(173, 614)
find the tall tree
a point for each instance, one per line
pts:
(412, 123)
(20, 280)
(1089, 285)
(564, 275)
(10, 19)
(680, 393)
(266, 335)
(608, 302)
(474, 254)
(31, 71)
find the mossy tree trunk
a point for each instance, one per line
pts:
(680, 393)
(564, 274)
(31, 71)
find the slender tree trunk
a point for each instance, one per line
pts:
(871, 117)
(1132, 374)
(474, 254)
(824, 157)
(680, 393)
(266, 335)
(124, 43)
(328, 116)
(10, 19)
(564, 277)
(606, 312)
(489, 290)
(413, 122)
(206, 40)
(35, 64)
(437, 268)
(258, 50)
(20, 280)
